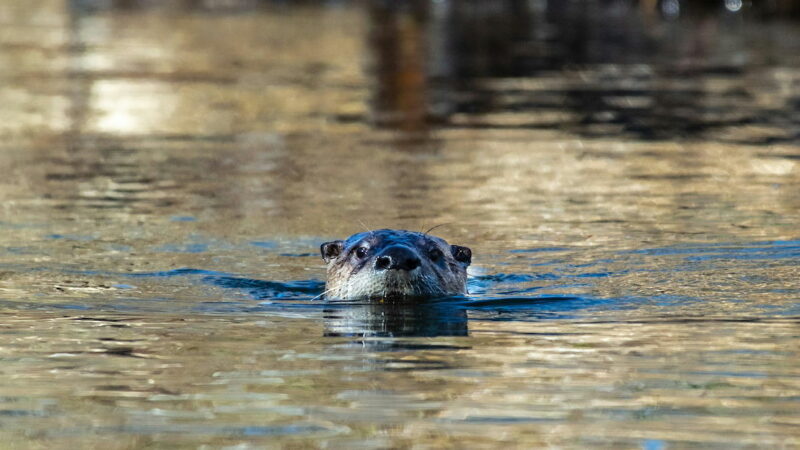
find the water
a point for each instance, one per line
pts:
(626, 178)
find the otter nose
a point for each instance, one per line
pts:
(397, 257)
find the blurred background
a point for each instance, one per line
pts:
(322, 114)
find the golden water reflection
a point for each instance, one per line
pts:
(630, 196)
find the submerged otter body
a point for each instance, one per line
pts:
(394, 264)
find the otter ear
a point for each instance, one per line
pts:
(461, 254)
(331, 250)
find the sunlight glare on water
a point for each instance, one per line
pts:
(626, 177)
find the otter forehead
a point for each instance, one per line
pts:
(386, 237)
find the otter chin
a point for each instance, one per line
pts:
(394, 265)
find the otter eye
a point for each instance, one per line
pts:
(361, 252)
(435, 254)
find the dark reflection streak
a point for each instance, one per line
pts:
(398, 43)
(80, 86)
(433, 318)
(486, 38)
(429, 52)
(394, 319)
(510, 301)
(262, 289)
(106, 319)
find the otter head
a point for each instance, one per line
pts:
(394, 264)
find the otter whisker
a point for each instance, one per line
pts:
(366, 228)
(323, 293)
(436, 226)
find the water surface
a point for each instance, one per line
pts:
(629, 191)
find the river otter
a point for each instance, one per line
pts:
(394, 264)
